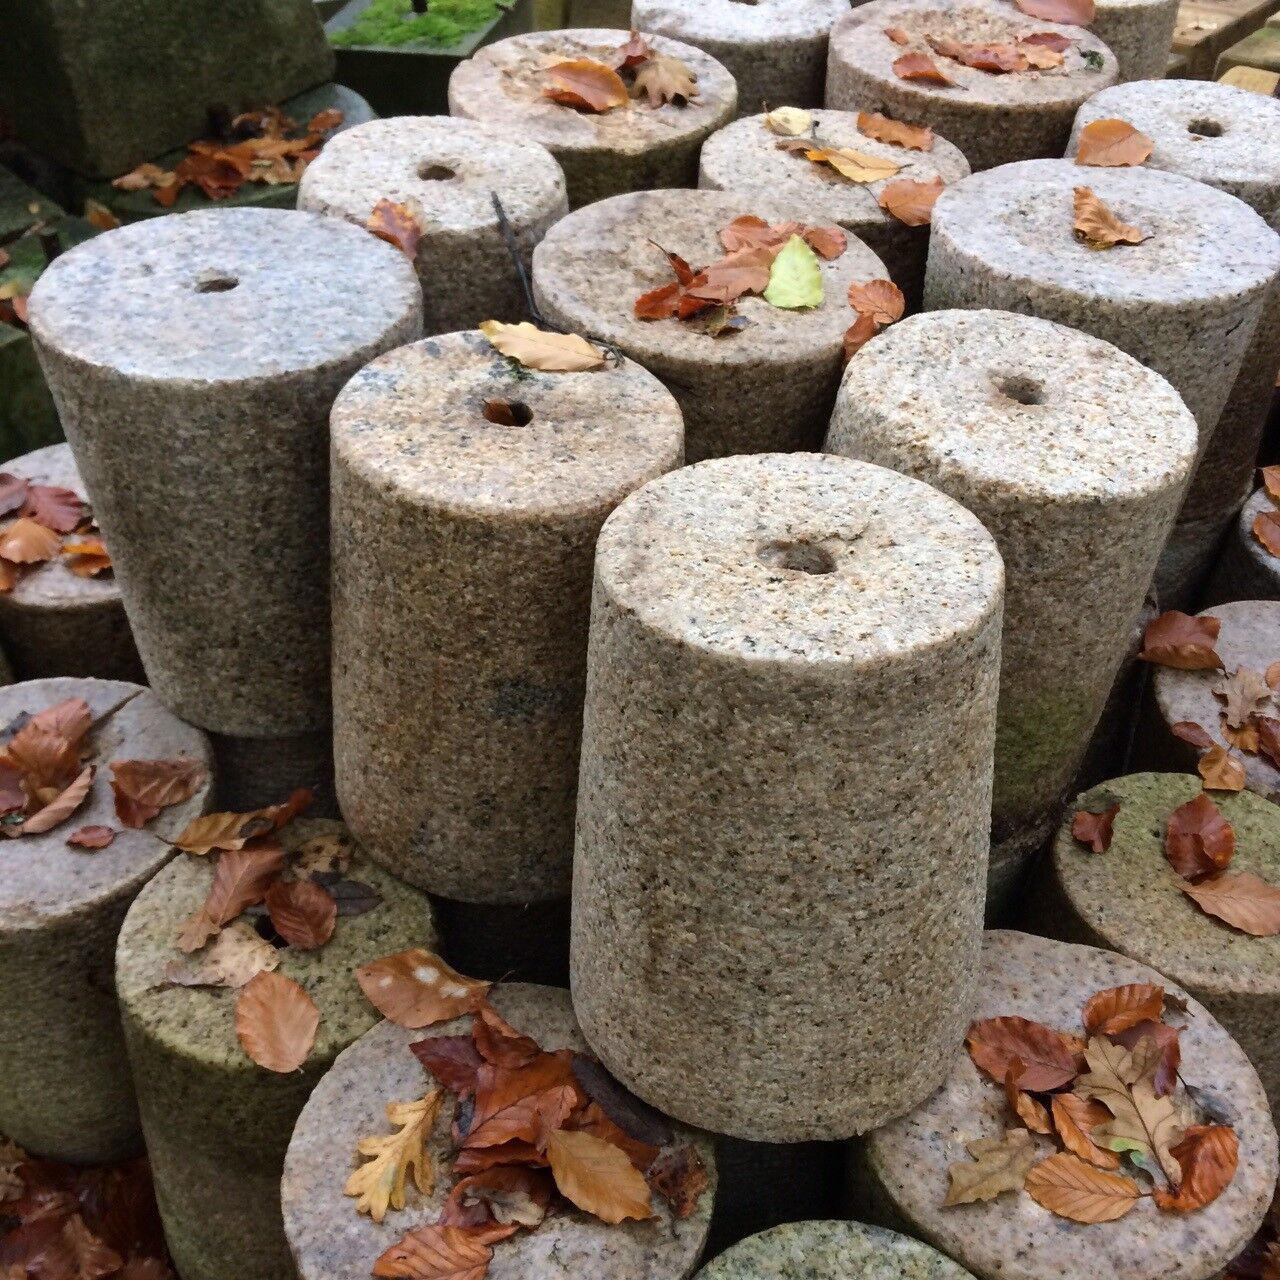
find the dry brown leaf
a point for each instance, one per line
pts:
(1268, 731)
(61, 807)
(1112, 144)
(1244, 738)
(276, 1022)
(497, 1041)
(1242, 900)
(1198, 840)
(1073, 13)
(237, 956)
(55, 507)
(858, 334)
(195, 931)
(302, 912)
(598, 1177)
(26, 541)
(143, 787)
(585, 85)
(1208, 1155)
(1075, 1119)
(1064, 1184)
(1029, 1110)
(92, 837)
(919, 66)
(885, 129)
(1116, 1009)
(634, 51)
(994, 1043)
(788, 122)
(1094, 830)
(241, 879)
(1221, 770)
(87, 557)
(326, 121)
(436, 1253)
(857, 166)
(911, 202)
(1244, 692)
(417, 989)
(1176, 639)
(1098, 228)
(665, 79)
(1271, 482)
(12, 1185)
(998, 1165)
(1039, 55)
(679, 1176)
(379, 1183)
(397, 224)
(1266, 529)
(537, 349)
(882, 300)
(993, 58)
(1188, 731)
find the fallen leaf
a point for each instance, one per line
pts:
(276, 1022)
(826, 241)
(214, 831)
(195, 931)
(26, 541)
(789, 122)
(1221, 770)
(324, 855)
(61, 807)
(598, 1177)
(857, 166)
(885, 129)
(795, 280)
(1198, 840)
(993, 1043)
(436, 1253)
(396, 224)
(1073, 13)
(144, 787)
(919, 66)
(237, 956)
(93, 837)
(993, 58)
(354, 897)
(1266, 528)
(1041, 57)
(536, 349)
(77, 1254)
(998, 1165)
(1188, 731)
(1067, 1186)
(87, 557)
(1075, 1119)
(301, 912)
(897, 35)
(635, 51)
(1242, 900)
(679, 1176)
(665, 79)
(241, 879)
(325, 121)
(1049, 40)
(417, 989)
(1208, 1155)
(1244, 692)
(1031, 1112)
(858, 334)
(379, 1183)
(528, 1119)
(1116, 1009)
(643, 1122)
(730, 278)
(1268, 730)
(1094, 830)
(1244, 738)
(1112, 144)
(911, 202)
(1180, 640)
(882, 300)
(498, 1088)
(96, 214)
(497, 1041)
(12, 1184)
(508, 1196)
(55, 507)
(585, 85)
(593, 1119)
(1098, 228)
(453, 1060)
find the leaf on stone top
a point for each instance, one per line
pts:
(1188, 731)
(13, 492)
(498, 1088)
(509, 1153)
(857, 335)
(664, 79)
(993, 58)
(241, 879)
(1244, 738)
(1094, 830)
(87, 557)
(585, 85)
(1112, 144)
(994, 1043)
(12, 1184)
(276, 1022)
(632, 53)
(598, 1177)
(1166, 1040)
(679, 1176)
(527, 1119)
(75, 1253)
(1266, 529)
(195, 931)
(882, 300)
(510, 1196)
(1039, 55)
(1209, 1155)
(998, 1165)
(55, 507)
(897, 35)
(1029, 1110)
(1073, 13)
(1075, 1119)
(1242, 900)
(325, 121)
(26, 541)
(397, 224)
(919, 66)
(144, 787)
(1268, 730)
(795, 279)
(499, 1042)
(643, 1122)
(302, 912)
(1220, 770)
(62, 806)
(214, 831)
(389, 1159)
(453, 1060)
(1198, 840)
(537, 349)
(1097, 227)
(92, 837)
(1116, 1009)
(1067, 1186)
(1049, 40)
(436, 1253)
(1176, 639)
(826, 241)
(354, 897)
(855, 165)
(734, 276)
(328, 854)
(237, 956)
(886, 129)
(70, 719)
(1244, 692)
(789, 122)
(593, 1119)
(909, 201)
(659, 304)
(276, 816)
(46, 760)
(417, 989)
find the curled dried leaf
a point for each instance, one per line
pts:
(143, 787)
(1029, 1110)
(663, 80)
(857, 166)
(55, 507)
(1188, 731)
(92, 837)
(397, 224)
(1245, 692)
(1221, 770)
(586, 85)
(909, 201)
(237, 956)
(1112, 143)
(788, 122)
(1097, 227)
(858, 334)
(1094, 830)
(87, 557)
(1177, 639)
(882, 300)
(885, 129)
(241, 879)
(1116, 1009)
(1266, 529)
(1208, 1156)
(679, 1176)
(1075, 1119)
(26, 541)
(417, 989)
(62, 806)
(1198, 840)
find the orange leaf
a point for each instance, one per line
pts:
(241, 879)
(1116, 1009)
(1109, 144)
(87, 557)
(506, 1196)
(144, 787)
(994, 1043)
(827, 242)
(594, 1120)
(13, 489)
(1098, 228)
(586, 85)
(499, 1042)
(1023, 1105)
(1049, 40)
(636, 50)
(276, 1022)
(858, 334)
(417, 989)
(1180, 640)
(436, 1253)
(1244, 901)
(882, 300)
(303, 913)
(1039, 55)
(1198, 840)
(897, 35)
(909, 201)
(26, 541)
(1220, 770)
(1191, 732)
(679, 1176)
(894, 132)
(1065, 1185)
(325, 121)
(61, 807)
(498, 1088)
(94, 837)
(993, 58)
(1073, 13)
(529, 1119)
(1271, 482)
(1093, 830)
(1266, 528)
(1075, 1118)
(1208, 1156)
(659, 304)
(397, 225)
(919, 66)
(598, 1177)
(1268, 729)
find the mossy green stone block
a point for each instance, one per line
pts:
(102, 85)
(1261, 50)
(21, 205)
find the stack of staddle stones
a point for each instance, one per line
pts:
(726, 680)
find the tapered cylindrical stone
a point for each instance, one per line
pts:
(55, 621)
(768, 387)
(446, 172)
(900, 1171)
(993, 119)
(65, 1091)
(775, 49)
(1127, 901)
(1225, 137)
(636, 147)
(478, 490)
(744, 157)
(761, 822)
(217, 1125)
(331, 1242)
(194, 359)
(1075, 458)
(1184, 302)
(1246, 570)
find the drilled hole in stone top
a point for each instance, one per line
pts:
(798, 556)
(430, 172)
(1021, 390)
(1206, 128)
(508, 413)
(216, 283)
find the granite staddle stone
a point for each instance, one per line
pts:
(1225, 137)
(255, 772)
(768, 387)
(1127, 900)
(900, 1171)
(1249, 638)
(744, 157)
(216, 1124)
(631, 148)
(446, 171)
(831, 1251)
(1246, 570)
(1075, 458)
(993, 119)
(1184, 302)
(775, 49)
(768, 635)
(458, 703)
(331, 1241)
(54, 622)
(65, 1091)
(194, 360)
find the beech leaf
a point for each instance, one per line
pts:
(1064, 1184)
(302, 913)
(885, 129)
(417, 989)
(1074, 13)
(214, 831)
(1188, 731)
(919, 66)
(59, 509)
(1242, 900)
(1116, 1009)
(27, 542)
(858, 334)
(61, 807)
(1221, 770)
(436, 1253)
(499, 1042)
(13, 489)
(93, 837)
(994, 1043)
(537, 349)
(1075, 1119)
(998, 1165)
(396, 224)
(276, 1022)
(1029, 1110)
(586, 85)
(389, 1159)
(598, 1177)
(911, 202)
(237, 956)
(1208, 1155)
(857, 166)
(1094, 830)
(1180, 640)
(1112, 144)
(453, 1060)
(143, 787)
(795, 280)
(1266, 529)
(1198, 840)
(241, 879)
(1097, 227)
(882, 300)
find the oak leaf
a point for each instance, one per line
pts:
(994, 1043)
(885, 129)
(1112, 144)
(417, 989)
(537, 349)
(1208, 1155)
(911, 202)
(143, 787)
(92, 837)
(1074, 13)
(1064, 1184)
(998, 1165)
(1176, 639)
(1220, 770)
(27, 542)
(598, 1177)
(276, 1022)
(302, 912)
(665, 79)
(62, 510)
(788, 122)
(379, 1183)
(1198, 840)
(1244, 692)
(1075, 1119)
(436, 1253)
(1242, 900)
(1266, 528)
(1097, 227)
(585, 85)
(62, 806)
(397, 224)
(1094, 830)
(919, 66)
(237, 956)
(679, 1176)
(1116, 1009)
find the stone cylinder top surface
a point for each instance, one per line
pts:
(45, 881)
(330, 1241)
(831, 1251)
(1214, 133)
(753, 22)
(502, 83)
(1012, 1237)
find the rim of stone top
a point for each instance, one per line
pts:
(745, 21)
(444, 168)
(417, 420)
(594, 264)
(223, 296)
(863, 43)
(1025, 408)
(44, 880)
(1017, 219)
(744, 154)
(800, 558)
(1012, 1236)
(502, 82)
(1129, 895)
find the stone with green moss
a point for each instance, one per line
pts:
(21, 206)
(392, 23)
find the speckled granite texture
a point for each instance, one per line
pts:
(831, 1251)
(780, 626)
(330, 1241)
(775, 49)
(1250, 637)
(65, 1090)
(446, 172)
(1245, 570)
(1126, 900)
(632, 148)
(253, 772)
(54, 622)
(1075, 458)
(193, 360)
(744, 157)
(217, 1125)
(993, 119)
(902, 1171)
(458, 705)
(772, 385)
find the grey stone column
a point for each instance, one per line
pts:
(1245, 570)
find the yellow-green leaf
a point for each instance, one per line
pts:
(795, 279)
